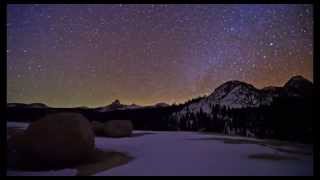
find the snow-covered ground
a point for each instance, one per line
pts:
(178, 153)
(188, 153)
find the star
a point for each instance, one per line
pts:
(177, 52)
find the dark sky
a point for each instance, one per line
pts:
(89, 55)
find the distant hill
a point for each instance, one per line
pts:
(32, 105)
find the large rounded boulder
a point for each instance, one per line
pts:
(98, 128)
(118, 128)
(60, 138)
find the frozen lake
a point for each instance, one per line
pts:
(196, 154)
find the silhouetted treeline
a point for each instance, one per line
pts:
(151, 118)
(286, 118)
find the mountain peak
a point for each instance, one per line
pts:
(224, 89)
(229, 85)
(116, 102)
(116, 105)
(298, 85)
(161, 105)
(297, 79)
(38, 105)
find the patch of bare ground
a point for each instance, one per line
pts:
(102, 161)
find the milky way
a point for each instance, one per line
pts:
(89, 55)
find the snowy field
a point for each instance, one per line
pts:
(195, 154)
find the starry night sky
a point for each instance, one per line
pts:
(90, 55)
